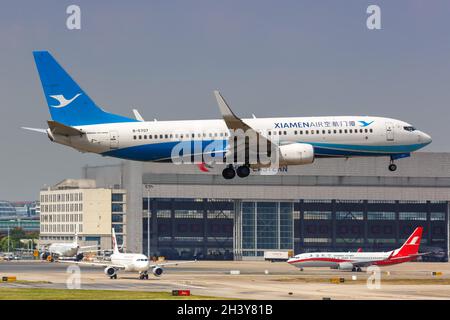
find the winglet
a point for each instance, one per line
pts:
(232, 121)
(138, 116)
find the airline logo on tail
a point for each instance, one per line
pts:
(414, 240)
(63, 102)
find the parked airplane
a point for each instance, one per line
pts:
(128, 262)
(62, 250)
(79, 123)
(354, 261)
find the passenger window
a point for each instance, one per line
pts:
(181, 136)
(334, 131)
(285, 133)
(270, 133)
(371, 130)
(274, 133)
(345, 131)
(145, 136)
(312, 131)
(210, 135)
(140, 137)
(350, 131)
(329, 131)
(361, 130)
(340, 130)
(134, 137)
(306, 132)
(280, 133)
(295, 132)
(150, 136)
(301, 132)
(365, 130)
(160, 136)
(171, 136)
(323, 131)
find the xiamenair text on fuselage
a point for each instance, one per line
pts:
(242, 144)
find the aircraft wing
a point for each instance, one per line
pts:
(233, 123)
(170, 263)
(93, 264)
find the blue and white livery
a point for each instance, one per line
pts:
(79, 123)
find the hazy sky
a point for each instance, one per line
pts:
(270, 58)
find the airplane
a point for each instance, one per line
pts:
(79, 123)
(133, 262)
(354, 261)
(63, 250)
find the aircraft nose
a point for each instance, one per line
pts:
(426, 138)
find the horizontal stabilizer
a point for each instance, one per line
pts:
(59, 128)
(35, 129)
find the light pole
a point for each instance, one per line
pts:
(148, 187)
(8, 238)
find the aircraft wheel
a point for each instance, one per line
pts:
(358, 269)
(392, 167)
(146, 276)
(243, 171)
(354, 269)
(228, 173)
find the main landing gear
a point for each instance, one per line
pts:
(356, 269)
(143, 276)
(242, 172)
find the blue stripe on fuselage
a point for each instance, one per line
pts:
(163, 150)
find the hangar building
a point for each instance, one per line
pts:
(332, 204)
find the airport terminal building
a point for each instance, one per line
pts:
(330, 205)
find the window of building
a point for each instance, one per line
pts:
(413, 216)
(437, 216)
(380, 215)
(117, 207)
(317, 215)
(343, 215)
(117, 197)
(118, 228)
(117, 218)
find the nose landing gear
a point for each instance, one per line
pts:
(392, 166)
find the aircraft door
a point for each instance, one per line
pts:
(389, 131)
(113, 139)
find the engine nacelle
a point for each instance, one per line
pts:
(157, 271)
(110, 271)
(345, 266)
(296, 153)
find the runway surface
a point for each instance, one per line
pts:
(257, 280)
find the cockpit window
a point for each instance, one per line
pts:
(409, 128)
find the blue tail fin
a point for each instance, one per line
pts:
(67, 102)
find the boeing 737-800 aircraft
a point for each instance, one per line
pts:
(79, 123)
(354, 261)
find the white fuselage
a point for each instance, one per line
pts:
(130, 261)
(63, 249)
(340, 136)
(335, 259)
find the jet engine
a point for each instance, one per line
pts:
(296, 153)
(345, 266)
(157, 271)
(110, 272)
